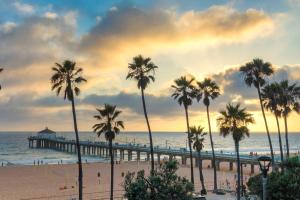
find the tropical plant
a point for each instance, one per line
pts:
(109, 125)
(184, 92)
(234, 121)
(142, 70)
(210, 90)
(197, 136)
(290, 95)
(271, 100)
(279, 185)
(165, 183)
(67, 78)
(255, 73)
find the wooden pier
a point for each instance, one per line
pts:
(129, 151)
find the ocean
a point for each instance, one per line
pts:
(14, 148)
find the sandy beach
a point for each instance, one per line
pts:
(59, 181)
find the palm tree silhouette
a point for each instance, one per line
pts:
(234, 121)
(210, 90)
(255, 73)
(290, 94)
(67, 78)
(142, 70)
(271, 100)
(184, 92)
(197, 136)
(1, 69)
(109, 126)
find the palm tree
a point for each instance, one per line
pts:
(142, 70)
(234, 121)
(210, 90)
(197, 136)
(255, 73)
(184, 92)
(290, 95)
(109, 126)
(271, 100)
(67, 78)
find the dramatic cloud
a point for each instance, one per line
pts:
(126, 29)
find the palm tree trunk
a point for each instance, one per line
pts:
(111, 170)
(212, 150)
(78, 150)
(149, 130)
(201, 173)
(267, 128)
(242, 179)
(238, 164)
(279, 138)
(190, 143)
(286, 137)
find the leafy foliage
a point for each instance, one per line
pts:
(142, 70)
(197, 137)
(290, 95)
(109, 125)
(209, 89)
(165, 183)
(280, 185)
(184, 90)
(67, 77)
(256, 71)
(234, 120)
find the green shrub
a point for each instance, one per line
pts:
(164, 183)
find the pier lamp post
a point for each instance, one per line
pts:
(264, 164)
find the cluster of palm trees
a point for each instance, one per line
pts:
(280, 98)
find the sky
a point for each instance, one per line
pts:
(200, 38)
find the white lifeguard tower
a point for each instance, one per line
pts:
(47, 133)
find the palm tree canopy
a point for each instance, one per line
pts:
(290, 95)
(142, 70)
(108, 122)
(1, 69)
(234, 120)
(271, 95)
(197, 136)
(184, 90)
(210, 90)
(67, 78)
(256, 71)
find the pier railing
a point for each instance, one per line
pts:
(102, 149)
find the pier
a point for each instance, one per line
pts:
(130, 151)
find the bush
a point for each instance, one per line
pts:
(280, 185)
(164, 183)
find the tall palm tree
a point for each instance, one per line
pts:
(109, 125)
(255, 73)
(142, 70)
(271, 100)
(290, 94)
(197, 136)
(184, 92)
(67, 78)
(234, 121)
(210, 90)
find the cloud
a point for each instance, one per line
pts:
(7, 27)
(127, 29)
(29, 50)
(50, 15)
(24, 8)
